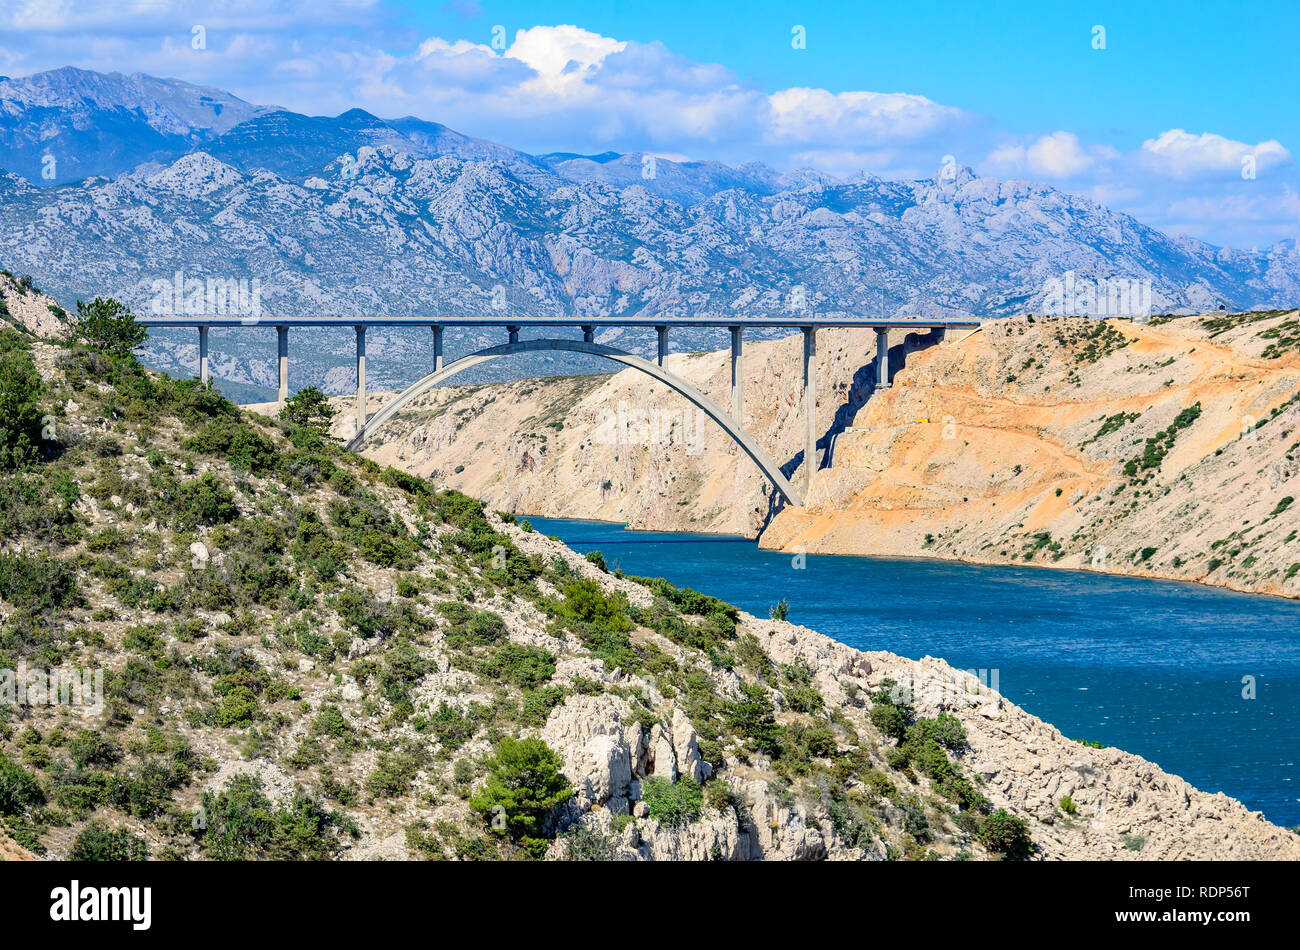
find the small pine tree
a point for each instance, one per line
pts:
(523, 788)
(108, 325)
(309, 408)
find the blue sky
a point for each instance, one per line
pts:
(1186, 118)
(1029, 64)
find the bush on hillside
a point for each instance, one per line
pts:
(21, 392)
(524, 788)
(309, 408)
(1005, 834)
(98, 842)
(108, 325)
(673, 803)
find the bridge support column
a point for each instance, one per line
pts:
(437, 349)
(514, 333)
(361, 378)
(737, 377)
(203, 355)
(282, 344)
(882, 358)
(809, 408)
(662, 333)
(588, 334)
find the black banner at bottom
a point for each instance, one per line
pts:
(199, 901)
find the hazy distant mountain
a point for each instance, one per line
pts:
(104, 124)
(92, 123)
(683, 182)
(296, 145)
(357, 215)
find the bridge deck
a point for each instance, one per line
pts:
(525, 322)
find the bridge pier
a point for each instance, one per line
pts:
(588, 334)
(437, 348)
(203, 355)
(514, 333)
(809, 408)
(361, 377)
(737, 377)
(661, 332)
(282, 345)
(882, 358)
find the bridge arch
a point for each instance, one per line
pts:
(729, 425)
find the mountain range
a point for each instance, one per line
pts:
(113, 184)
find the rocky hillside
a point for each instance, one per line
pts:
(24, 307)
(308, 655)
(1166, 450)
(1059, 442)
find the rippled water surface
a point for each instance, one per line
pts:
(1152, 667)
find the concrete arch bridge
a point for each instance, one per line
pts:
(731, 422)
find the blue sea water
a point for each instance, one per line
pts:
(1152, 667)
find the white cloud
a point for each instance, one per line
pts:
(802, 115)
(562, 56)
(1058, 155)
(1054, 156)
(1261, 207)
(1182, 155)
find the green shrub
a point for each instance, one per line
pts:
(108, 325)
(21, 392)
(524, 787)
(392, 775)
(582, 843)
(453, 728)
(888, 718)
(538, 704)
(1005, 834)
(945, 729)
(91, 749)
(204, 501)
(314, 644)
(800, 694)
(585, 601)
(37, 582)
(403, 668)
(752, 718)
(237, 708)
(237, 443)
(98, 842)
(672, 803)
(471, 628)
(524, 666)
(751, 653)
(805, 741)
(19, 789)
(309, 408)
(241, 824)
